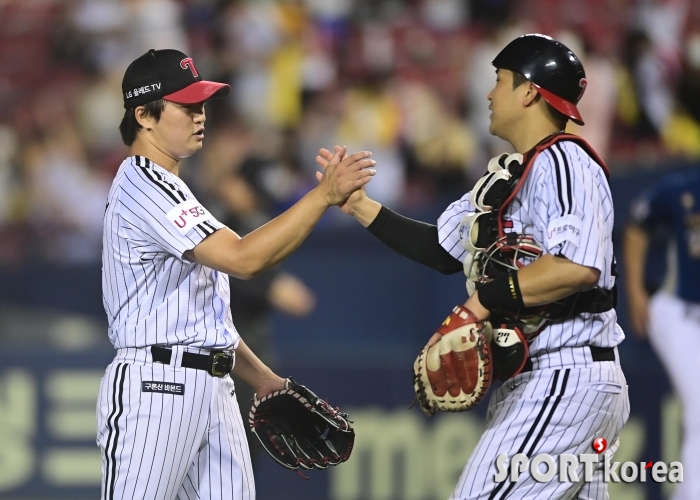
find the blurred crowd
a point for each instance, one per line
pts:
(406, 79)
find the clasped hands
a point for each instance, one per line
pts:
(343, 174)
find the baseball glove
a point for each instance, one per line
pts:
(298, 429)
(455, 373)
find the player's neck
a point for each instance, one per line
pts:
(529, 136)
(141, 147)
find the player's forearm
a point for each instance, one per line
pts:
(414, 240)
(636, 245)
(546, 280)
(270, 244)
(552, 278)
(366, 210)
(246, 257)
(250, 368)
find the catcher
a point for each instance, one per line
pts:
(534, 237)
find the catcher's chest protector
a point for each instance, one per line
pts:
(492, 229)
(520, 173)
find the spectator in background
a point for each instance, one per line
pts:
(13, 202)
(309, 71)
(689, 95)
(98, 108)
(97, 32)
(479, 83)
(265, 40)
(8, 176)
(598, 102)
(682, 133)
(439, 146)
(371, 120)
(656, 61)
(113, 32)
(155, 24)
(67, 195)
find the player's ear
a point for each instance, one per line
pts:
(144, 118)
(530, 94)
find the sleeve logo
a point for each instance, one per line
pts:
(186, 215)
(567, 228)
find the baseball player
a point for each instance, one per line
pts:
(168, 423)
(554, 194)
(671, 318)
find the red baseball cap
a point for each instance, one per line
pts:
(167, 74)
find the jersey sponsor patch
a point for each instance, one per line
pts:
(163, 387)
(567, 228)
(186, 215)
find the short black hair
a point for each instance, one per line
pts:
(560, 118)
(129, 126)
(518, 79)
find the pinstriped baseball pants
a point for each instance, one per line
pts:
(167, 432)
(554, 410)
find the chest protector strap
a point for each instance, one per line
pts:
(595, 300)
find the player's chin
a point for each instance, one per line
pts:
(493, 129)
(191, 149)
(195, 144)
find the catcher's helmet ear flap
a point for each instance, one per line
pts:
(554, 69)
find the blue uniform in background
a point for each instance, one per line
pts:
(673, 205)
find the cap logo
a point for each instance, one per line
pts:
(188, 63)
(582, 83)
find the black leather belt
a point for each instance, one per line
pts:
(216, 363)
(597, 353)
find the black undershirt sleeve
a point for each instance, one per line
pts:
(413, 239)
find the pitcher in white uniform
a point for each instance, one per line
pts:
(168, 423)
(535, 239)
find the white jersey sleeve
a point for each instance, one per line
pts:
(449, 226)
(573, 206)
(159, 207)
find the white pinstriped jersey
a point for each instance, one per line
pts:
(151, 294)
(566, 205)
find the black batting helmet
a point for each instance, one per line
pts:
(556, 71)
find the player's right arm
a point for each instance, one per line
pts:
(636, 244)
(265, 247)
(415, 240)
(646, 212)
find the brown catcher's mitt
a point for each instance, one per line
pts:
(454, 374)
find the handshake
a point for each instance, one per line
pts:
(344, 177)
